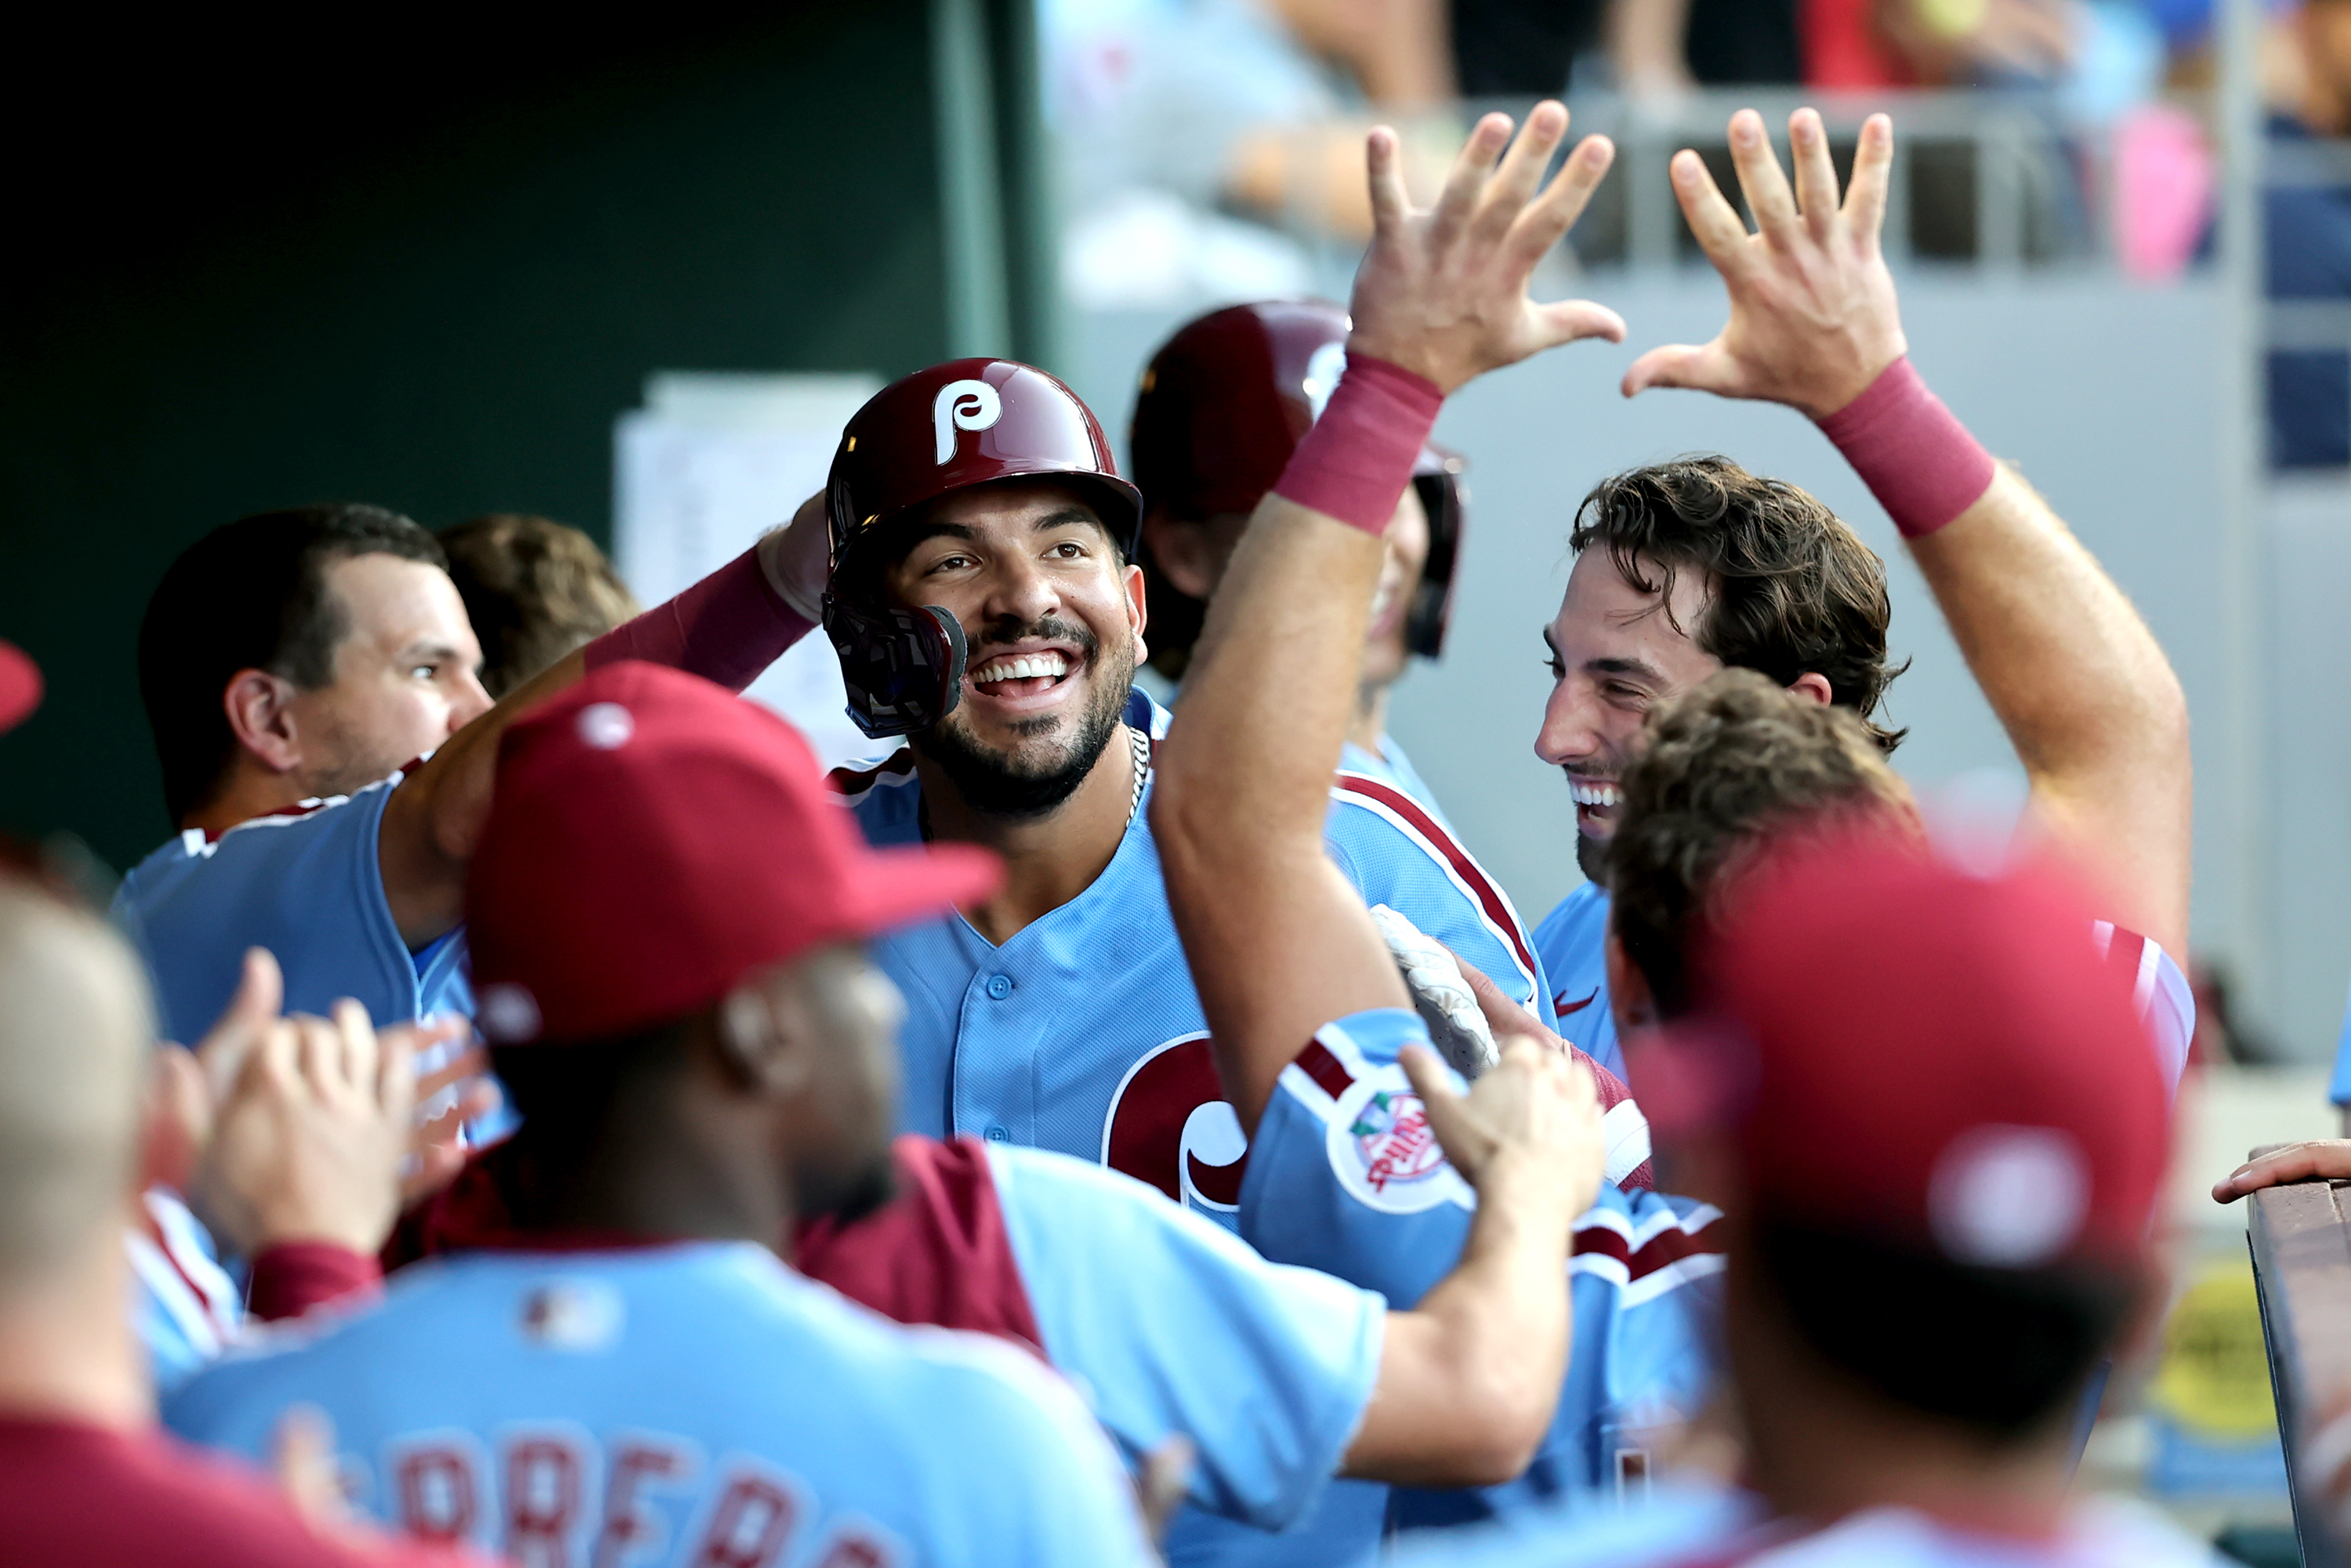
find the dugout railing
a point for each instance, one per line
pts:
(2301, 1241)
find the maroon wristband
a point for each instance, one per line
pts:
(1357, 460)
(1915, 456)
(292, 1277)
(727, 628)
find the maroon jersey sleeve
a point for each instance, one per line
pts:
(84, 1496)
(937, 1253)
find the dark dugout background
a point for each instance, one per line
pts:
(426, 267)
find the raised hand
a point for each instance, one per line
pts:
(1443, 291)
(308, 1144)
(1812, 315)
(1533, 1117)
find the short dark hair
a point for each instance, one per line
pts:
(1721, 765)
(1999, 1353)
(250, 595)
(1791, 589)
(534, 590)
(567, 1092)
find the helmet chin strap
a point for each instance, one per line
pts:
(903, 668)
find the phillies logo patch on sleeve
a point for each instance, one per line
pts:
(1385, 1152)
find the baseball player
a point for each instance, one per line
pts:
(1959, 1108)
(665, 915)
(358, 892)
(985, 604)
(1323, 1059)
(1754, 571)
(1222, 406)
(1278, 1376)
(85, 1479)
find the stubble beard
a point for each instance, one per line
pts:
(1000, 784)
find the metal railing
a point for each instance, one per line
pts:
(2300, 1242)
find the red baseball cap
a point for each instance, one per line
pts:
(652, 841)
(1900, 1048)
(20, 686)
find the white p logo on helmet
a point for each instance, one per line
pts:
(963, 405)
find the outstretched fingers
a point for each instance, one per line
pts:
(1699, 367)
(1816, 183)
(1466, 182)
(1521, 170)
(1759, 176)
(1873, 171)
(1390, 204)
(1546, 220)
(1719, 231)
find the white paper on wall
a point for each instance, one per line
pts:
(710, 462)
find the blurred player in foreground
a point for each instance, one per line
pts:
(1278, 1377)
(1223, 404)
(1320, 1050)
(1780, 585)
(1961, 1109)
(85, 1480)
(631, 1367)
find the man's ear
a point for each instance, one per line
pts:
(259, 709)
(1813, 684)
(1138, 611)
(1184, 552)
(1629, 996)
(765, 1038)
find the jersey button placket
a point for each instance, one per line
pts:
(999, 986)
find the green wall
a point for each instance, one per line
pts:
(425, 271)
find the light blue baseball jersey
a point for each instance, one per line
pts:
(308, 885)
(1391, 766)
(1084, 1032)
(1572, 942)
(689, 1403)
(1695, 1526)
(305, 883)
(1345, 1176)
(1170, 1323)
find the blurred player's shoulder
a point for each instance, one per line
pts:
(1684, 1524)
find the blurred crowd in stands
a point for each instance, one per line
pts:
(1209, 146)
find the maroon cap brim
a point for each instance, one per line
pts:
(899, 886)
(20, 686)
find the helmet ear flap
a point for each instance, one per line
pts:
(1432, 597)
(903, 668)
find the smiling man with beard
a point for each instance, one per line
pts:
(985, 602)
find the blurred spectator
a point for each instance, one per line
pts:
(1521, 48)
(1179, 119)
(2308, 216)
(534, 590)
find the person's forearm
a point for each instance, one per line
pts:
(2077, 680)
(2083, 690)
(1471, 1377)
(1244, 775)
(726, 628)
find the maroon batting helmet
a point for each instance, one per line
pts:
(965, 423)
(1224, 404)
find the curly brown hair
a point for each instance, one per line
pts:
(1792, 591)
(1730, 761)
